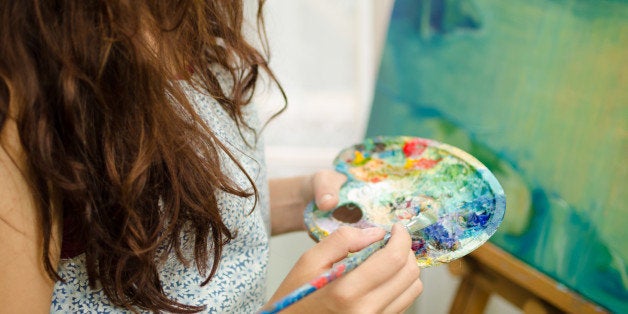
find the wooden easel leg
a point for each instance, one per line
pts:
(462, 296)
(535, 306)
(491, 270)
(470, 298)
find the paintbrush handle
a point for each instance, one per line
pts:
(337, 270)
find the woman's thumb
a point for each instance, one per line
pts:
(326, 186)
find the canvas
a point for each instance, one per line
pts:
(537, 90)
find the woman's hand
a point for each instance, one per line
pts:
(290, 196)
(387, 282)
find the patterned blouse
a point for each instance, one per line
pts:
(239, 283)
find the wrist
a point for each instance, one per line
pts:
(307, 189)
(289, 197)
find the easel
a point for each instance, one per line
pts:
(489, 270)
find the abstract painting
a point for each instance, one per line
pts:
(537, 90)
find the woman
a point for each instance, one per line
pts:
(132, 178)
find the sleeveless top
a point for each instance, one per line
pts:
(239, 283)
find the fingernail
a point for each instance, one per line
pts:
(325, 198)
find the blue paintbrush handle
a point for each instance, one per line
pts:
(338, 270)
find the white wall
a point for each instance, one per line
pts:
(325, 54)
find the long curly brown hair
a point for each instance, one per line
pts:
(110, 138)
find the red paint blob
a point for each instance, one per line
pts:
(414, 147)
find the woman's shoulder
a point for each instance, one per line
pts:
(16, 199)
(22, 274)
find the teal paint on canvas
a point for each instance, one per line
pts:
(538, 91)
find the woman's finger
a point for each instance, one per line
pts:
(341, 242)
(381, 266)
(400, 291)
(326, 184)
(405, 300)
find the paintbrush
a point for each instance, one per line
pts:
(425, 218)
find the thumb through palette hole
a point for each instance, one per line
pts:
(348, 213)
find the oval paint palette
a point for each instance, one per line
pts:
(395, 179)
